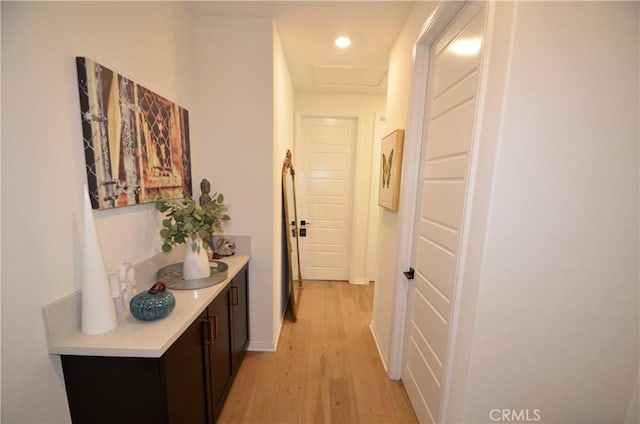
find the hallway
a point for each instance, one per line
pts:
(326, 368)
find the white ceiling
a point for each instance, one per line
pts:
(307, 30)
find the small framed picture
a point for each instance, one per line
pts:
(390, 170)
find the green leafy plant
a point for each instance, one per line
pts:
(185, 220)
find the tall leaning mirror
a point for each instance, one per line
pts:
(291, 234)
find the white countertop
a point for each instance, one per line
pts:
(132, 338)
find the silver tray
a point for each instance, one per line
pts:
(171, 276)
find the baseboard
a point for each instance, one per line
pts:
(383, 359)
(277, 338)
(262, 347)
(267, 346)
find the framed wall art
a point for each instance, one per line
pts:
(136, 142)
(390, 170)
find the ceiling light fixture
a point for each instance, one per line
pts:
(343, 42)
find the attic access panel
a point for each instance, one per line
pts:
(349, 76)
(136, 142)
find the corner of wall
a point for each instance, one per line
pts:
(283, 129)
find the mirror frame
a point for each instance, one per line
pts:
(291, 226)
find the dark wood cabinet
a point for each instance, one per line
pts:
(185, 377)
(170, 389)
(218, 350)
(239, 317)
(188, 384)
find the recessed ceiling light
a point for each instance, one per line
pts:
(343, 42)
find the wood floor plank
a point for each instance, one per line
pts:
(340, 409)
(326, 368)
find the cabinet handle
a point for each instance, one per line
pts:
(214, 328)
(206, 331)
(234, 296)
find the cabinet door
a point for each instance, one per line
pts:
(185, 378)
(239, 317)
(219, 350)
(166, 390)
(106, 390)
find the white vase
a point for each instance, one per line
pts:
(98, 310)
(196, 264)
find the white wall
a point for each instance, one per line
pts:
(223, 71)
(552, 259)
(363, 107)
(235, 122)
(397, 116)
(373, 250)
(283, 140)
(43, 169)
(557, 314)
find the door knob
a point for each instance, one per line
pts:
(409, 274)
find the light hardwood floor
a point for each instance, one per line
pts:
(326, 368)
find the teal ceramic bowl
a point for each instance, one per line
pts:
(153, 304)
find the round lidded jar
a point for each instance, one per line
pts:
(153, 304)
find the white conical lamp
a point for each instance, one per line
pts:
(98, 310)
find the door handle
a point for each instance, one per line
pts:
(410, 274)
(303, 231)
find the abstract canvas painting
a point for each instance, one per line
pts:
(390, 170)
(136, 142)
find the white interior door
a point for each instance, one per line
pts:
(325, 158)
(451, 104)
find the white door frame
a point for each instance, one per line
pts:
(431, 29)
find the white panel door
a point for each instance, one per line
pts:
(325, 158)
(451, 102)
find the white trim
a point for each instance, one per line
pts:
(438, 21)
(263, 346)
(377, 342)
(432, 27)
